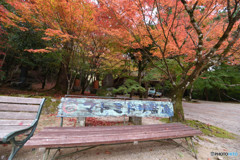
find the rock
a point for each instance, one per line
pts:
(81, 122)
(219, 158)
(135, 142)
(42, 149)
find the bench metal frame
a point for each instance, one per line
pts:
(17, 145)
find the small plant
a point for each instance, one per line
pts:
(50, 105)
(104, 92)
(129, 86)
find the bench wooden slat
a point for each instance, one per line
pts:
(15, 122)
(18, 107)
(5, 130)
(20, 100)
(17, 115)
(92, 128)
(113, 127)
(47, 132)
(108, 133)
(84, 141)
(11, 128)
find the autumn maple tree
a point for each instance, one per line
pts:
(65, 23)
(186, 37)
(190, 35)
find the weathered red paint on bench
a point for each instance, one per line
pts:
(85, 136)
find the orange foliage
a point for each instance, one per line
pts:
(136, 24)
(63, 19)
(171, 28)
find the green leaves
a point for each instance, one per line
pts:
(218, 82)
(129, 86)
(219, 77)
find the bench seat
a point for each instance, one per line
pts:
(51, 137)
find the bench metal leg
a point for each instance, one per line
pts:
(68, 154)
(61, 124)
(46, 153)
(15, 149)
(194, 150)
(192, 147)
(58, 150)
(16, 146)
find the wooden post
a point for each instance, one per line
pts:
(81, 121)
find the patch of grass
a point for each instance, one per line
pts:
(180, 154)
(165, 120)
(50, 105)
(210, 130)
(204, 139)
(207, 129)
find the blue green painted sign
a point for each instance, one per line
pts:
(86, 107)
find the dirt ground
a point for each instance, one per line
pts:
(163, 150)
(223, 115)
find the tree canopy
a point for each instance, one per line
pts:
(181, 39)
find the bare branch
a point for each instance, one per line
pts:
(194, 6)
(231, 43)
(196, 27)
(229, 10)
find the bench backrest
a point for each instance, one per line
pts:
(95, 107)
(18, 113)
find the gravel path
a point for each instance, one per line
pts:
(223, 115)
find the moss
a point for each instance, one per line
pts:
(50, 105)
(208, 130)
(180, 154)
(204, 139)
(165, 120)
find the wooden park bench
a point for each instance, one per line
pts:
(18, 116)
(67, 137)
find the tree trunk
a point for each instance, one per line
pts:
(219, 95)
(177, 105)
(44, 80)
(131, 94)
(23, 74)
(140, 70)
(190, 94)
(146, 92)
(83, 91)
(62, 79)
(137, 120)
(62, 82)
(206, 93)
(68, 86)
